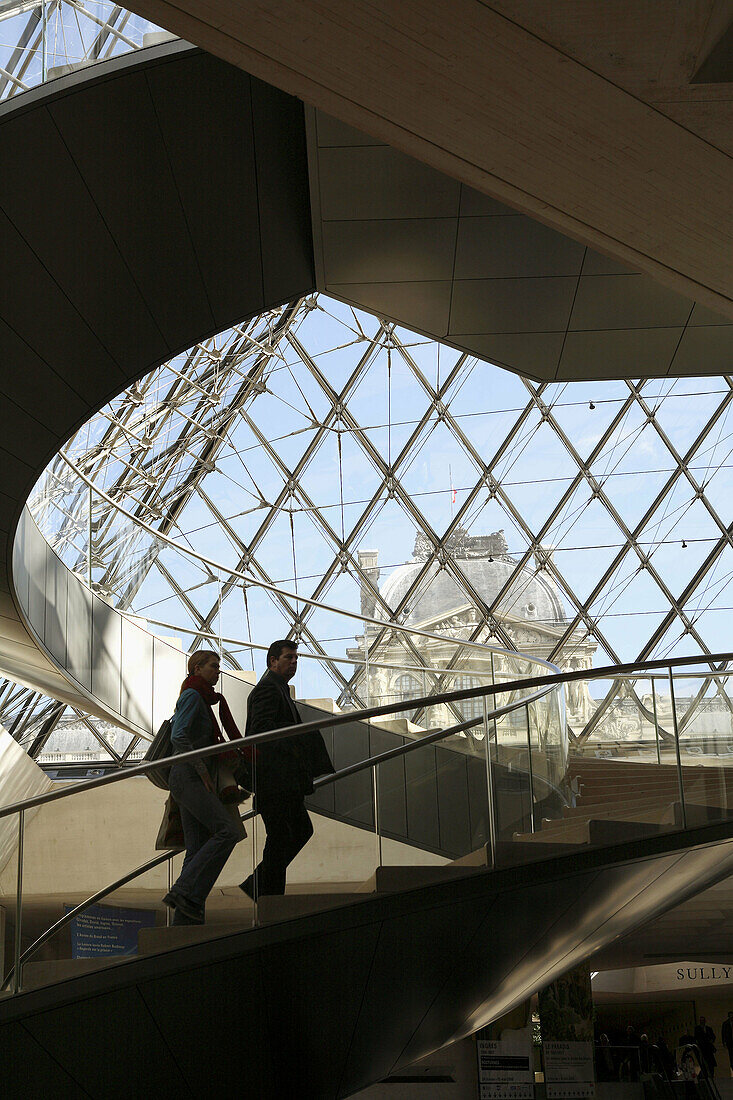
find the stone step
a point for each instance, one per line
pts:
(599, 831)
(663, 773)
(696, 814)
(391, 879)
(273, 907)
(577, 832)
(664, 815)
(612, 808)
(600, 806)
(651, 778)
(530, 847)
(481, 857)
(150, 941)
(624, 772)
(603, 832)
(570, 834)
(48, 971)
(270, 908)
(638, 811)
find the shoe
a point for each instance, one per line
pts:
(179, 921)
(247, 887)
(194, 913)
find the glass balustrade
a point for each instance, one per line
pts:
(647, 754)
(427, 788)
(425, 808)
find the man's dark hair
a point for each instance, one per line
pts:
(276, 649)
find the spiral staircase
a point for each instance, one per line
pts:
(312, 1001)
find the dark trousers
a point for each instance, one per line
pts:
(208, 830)
(289, 829)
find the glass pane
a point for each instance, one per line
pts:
(433, 799)
(56, 879)
(337, 862)
(704, 722)
(8, 896)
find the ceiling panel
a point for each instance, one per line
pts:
(512, 247)
(626, 301)
(511, 305)
(407, 189)
(389, 236)
(619, 353)
(359, 251)
(427, 304)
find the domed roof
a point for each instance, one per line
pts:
(531, 596)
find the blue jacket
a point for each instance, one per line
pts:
(192, 726)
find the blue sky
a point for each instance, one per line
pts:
(533, 472)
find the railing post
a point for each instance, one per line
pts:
(529, 769)
(168, 911)
(44, 42)
(89, 541)
(375, 779)
(677, 747)
(17, 983)
(656, 718)
(489, 784)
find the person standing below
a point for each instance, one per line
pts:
(726, 1037)
(667, 1059)
(210, 830)
(705, 1039)
(284, 771)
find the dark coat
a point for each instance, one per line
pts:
(288, 767)
(705, 1039)
(726, 1033)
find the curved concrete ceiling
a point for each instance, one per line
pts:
(169, 201)
(592, 117)
(394, 236)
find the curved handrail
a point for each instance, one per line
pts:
(607, 672)
(544, 686)
(435, 670)
(133, 703)
(328, 720)
(352, 769)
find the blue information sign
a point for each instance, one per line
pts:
(107, 930)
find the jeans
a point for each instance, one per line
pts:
(208, 830)
(288, 828)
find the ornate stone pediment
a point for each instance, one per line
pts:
(462, 545)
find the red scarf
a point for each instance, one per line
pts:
(211, 698)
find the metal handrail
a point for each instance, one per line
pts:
(352, 769)
(283, 732)
(544, 685)
(332, 720)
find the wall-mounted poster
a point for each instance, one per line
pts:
(566, 1021)
(107, 930)
(505, 1066)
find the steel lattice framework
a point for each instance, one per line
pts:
(283, 447)
(41, 40)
